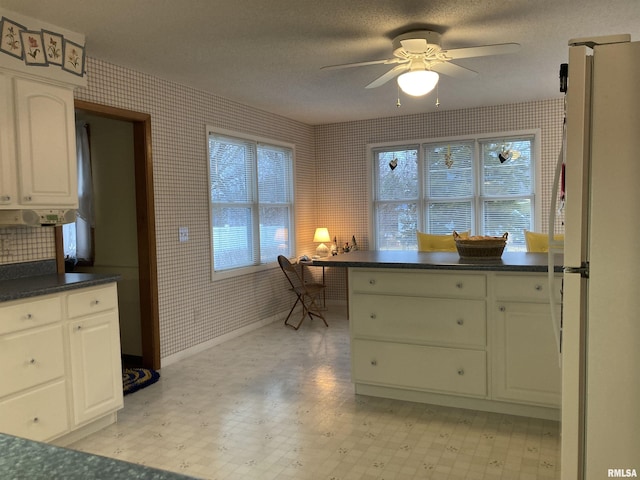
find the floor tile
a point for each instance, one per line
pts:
(279, 404)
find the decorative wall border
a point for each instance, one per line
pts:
(41, 48)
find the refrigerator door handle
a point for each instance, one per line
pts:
(554, 247)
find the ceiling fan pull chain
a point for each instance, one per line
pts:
(437, 97)
(398, 104)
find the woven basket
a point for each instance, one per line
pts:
(480, 247)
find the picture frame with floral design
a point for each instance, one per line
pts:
(52, 43)
(73, 60)
(11, 42)
(33, 48)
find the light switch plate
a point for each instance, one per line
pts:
(183, 233)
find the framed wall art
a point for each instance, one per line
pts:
(11, 42)
(52, 43)
(32, 44)
(73, 57)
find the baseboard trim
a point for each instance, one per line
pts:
(189, 352)
(469, 403)
(85, 430)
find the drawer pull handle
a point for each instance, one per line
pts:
(374, 362)
(28, 316)
(460, 321)
(32, 361)
(372, 316)
(459, 285)
(36, 419)
(372, 282)
(95, 302)
(461, 371)
(538, 287)
(502, 309)
(79, 327)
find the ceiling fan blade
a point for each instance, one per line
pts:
(453, 70)
(482, 51)
(387, 61)
(397, 70)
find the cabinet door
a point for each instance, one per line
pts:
(7, 144)
(526, 365)
(96, 371)
(47, 166)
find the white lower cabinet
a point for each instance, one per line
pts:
(454, 337)
(39, 413)
(526, 361)
(447, 370)
(59, 373)
(96, 373)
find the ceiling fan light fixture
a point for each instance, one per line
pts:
(418, 82)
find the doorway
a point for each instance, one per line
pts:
(145, 287)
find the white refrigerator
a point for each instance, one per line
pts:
(601, 291)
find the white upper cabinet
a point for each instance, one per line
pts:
(8, 185)
(46, 145)
(38, 166)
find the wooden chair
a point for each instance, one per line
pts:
(306, 293)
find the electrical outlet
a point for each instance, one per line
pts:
(183, 234)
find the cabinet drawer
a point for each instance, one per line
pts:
(40, 414)
(436, 321)
(417, 283)
(30, 358)
(526, 287)
(22, 314)
(445, 370)
(92, 300)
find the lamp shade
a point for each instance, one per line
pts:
(418, 82)
(321, 235)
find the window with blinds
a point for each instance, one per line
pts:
(482, 185)
(251, 201)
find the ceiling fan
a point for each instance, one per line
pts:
(419, 57)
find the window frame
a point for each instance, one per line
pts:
(255, 206)
(478, 197)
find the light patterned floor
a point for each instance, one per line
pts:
(279, 404)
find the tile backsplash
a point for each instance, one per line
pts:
(331, 190)
(25, 244)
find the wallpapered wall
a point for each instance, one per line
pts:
(342, 157)
(331, 190)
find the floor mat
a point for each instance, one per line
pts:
(133, 379)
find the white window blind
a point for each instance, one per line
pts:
(462, 184)
(251, 201)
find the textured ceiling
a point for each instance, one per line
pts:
(269, 54)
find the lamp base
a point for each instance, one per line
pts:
(322, 250)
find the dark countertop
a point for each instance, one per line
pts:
(38, 278)
(51, 283)
(26, 459)
(509, 262)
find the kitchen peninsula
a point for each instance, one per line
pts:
(471, 333)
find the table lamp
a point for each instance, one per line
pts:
(322, 235)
